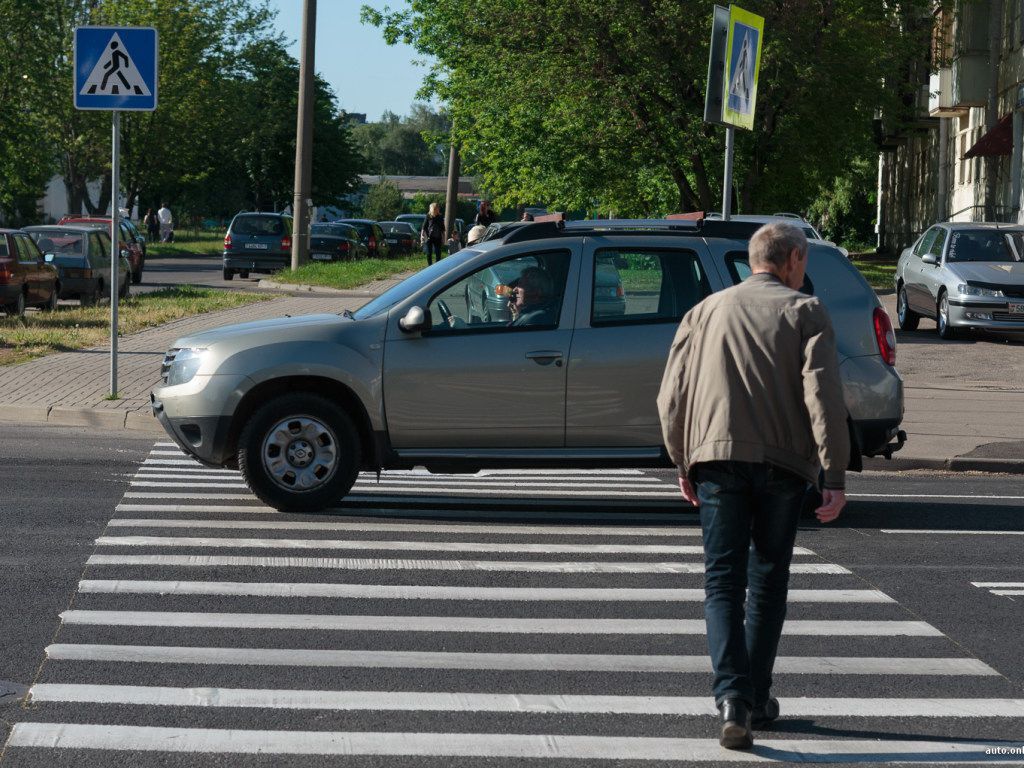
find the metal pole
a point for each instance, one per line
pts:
(452, 196)
(304, 137)
(115, 247)
(727, 178)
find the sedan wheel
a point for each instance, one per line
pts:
(299, 453)
(17, 307)
(907, 317)
(946, 331)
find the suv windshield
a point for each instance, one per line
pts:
(984, 245)
(410, 285)
(257, 225)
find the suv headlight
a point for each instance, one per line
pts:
(970, 290)
(182, 367)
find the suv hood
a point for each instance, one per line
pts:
(264, 331)
(1002, 273)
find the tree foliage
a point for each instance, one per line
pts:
(383, 201)
(581, 103)
(411, 146)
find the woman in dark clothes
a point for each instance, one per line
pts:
(432, 233)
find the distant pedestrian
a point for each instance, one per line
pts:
(751, 409)
(432, 233)
(485, 216)
(166, 223)
(453, 243)
(152, 224)
(476, 234)
(527, 216)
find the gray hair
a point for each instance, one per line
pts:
(771, 244)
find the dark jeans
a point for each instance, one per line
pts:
(434, 248)
(742, 503)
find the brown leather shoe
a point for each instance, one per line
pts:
(735, 732)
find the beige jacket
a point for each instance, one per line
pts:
(753, 376)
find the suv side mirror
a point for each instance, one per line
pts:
(930, 258)
(416, 319)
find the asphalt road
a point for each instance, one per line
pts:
(379, 612)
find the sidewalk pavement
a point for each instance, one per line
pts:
(951, 423)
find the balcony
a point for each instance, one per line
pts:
(940, 95)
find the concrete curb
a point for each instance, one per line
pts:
(136, 421)
(955, 464)
(272, 285)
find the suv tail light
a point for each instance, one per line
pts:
(343, 246)
(372, 243)
(286, 243)
(885, 336)
(227, 242)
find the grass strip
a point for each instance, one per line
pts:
(349, 274)
(199, 244)
(879, 274)
(71, 328)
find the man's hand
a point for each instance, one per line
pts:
(686, 488)
(832, 504)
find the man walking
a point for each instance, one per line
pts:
(751, 409)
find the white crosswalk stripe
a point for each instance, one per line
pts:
(560, 625)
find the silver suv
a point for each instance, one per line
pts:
(426, 374)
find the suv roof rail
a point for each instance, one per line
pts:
(518, 232)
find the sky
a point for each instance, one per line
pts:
(367, 74)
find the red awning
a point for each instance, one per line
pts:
(998, 141)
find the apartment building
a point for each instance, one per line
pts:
(956, 154)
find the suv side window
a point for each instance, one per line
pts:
(3, 246)
(738, 264)
(636, 285)
(517, 294)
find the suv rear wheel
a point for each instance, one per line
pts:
(228, 273)
(299, 453)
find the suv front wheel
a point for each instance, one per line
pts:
(299, 453)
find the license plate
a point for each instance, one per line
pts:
(321, 256)
(393, 242)
(1017, 309)
(257, 246)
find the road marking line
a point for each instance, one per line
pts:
(525, 530)
(407, 546)
(477, 624)
(419, 592)
(206, 508)
(1007, 592)
(506, 481)
(1002, 584)
(516, 662)
(443, 701)
(415, 564)
(577, 489)
(203, 496)
(955, 533)
(543, 746)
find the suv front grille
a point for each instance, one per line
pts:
(165, 366)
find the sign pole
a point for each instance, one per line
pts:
(730, 135)
(115, 247)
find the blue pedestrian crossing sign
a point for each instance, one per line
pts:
(115, 68)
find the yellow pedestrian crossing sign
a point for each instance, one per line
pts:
(742, 66)
(115, 68)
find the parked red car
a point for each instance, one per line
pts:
(25, 277)
(130, 240)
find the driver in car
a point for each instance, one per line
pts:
(530, 300)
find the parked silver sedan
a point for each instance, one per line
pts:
(965, 276)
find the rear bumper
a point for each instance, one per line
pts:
(77, 286)
(252, 261)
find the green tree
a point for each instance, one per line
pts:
(383, 201)
(412, 146)
(585, 102)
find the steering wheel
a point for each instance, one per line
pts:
(445, 310)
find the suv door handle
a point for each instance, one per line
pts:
(545, 356)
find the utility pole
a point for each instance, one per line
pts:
(995, 47)
(452, 197)
(304, 138)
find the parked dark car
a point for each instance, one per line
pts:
(25, 277)
(335, 242)
(129, 239)
(372, 236)
(257, 242)
(416, 219)
(401, 236)
(82, 258)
